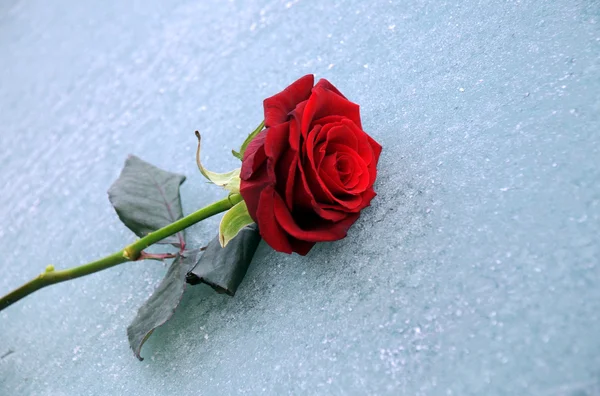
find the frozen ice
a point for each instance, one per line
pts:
(475, 271)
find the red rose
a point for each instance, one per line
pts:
(307, 176)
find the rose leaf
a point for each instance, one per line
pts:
(162, 303)
(146, 198)
(233, 221)
(224, 268)
(240, 154)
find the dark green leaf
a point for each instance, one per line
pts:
(224, 268)
(163, 302)
(146, 198)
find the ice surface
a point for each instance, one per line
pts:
(475, 272)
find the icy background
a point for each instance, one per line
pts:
(475, 272)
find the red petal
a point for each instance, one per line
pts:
(251, 190)
(296, 125)
(309, 145)
(361, 170)
(367, 197)
(276, 141)
(303, 197)
(317, 183)
(319, 231)
(268, 227)
(278, 107)
(376, 152)
(344, 164)
(323, 83)
(330, 176)
(254, 156)
(290, 183)
(322, 103)
(328, 120)
(301, 247)
(345, 201)
(344, 134)
(276, 145)
(376, 147)
(312, 183)
(329, 213)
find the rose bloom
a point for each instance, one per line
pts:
(306, 177)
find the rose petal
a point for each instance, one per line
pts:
(330, 119)
(251, 189)
(311, 180)
(328, 168)
(323, 83)
(366, 198)
(285, 174)
(309, 144)
(278, 107)
(344, 164)
(300, 247)
(351, 179)
(343, 133)
(355, 138)
(305, 199)
(317, 140)
(376, 153)
(320, 152)
(254, 156)
(317, 184)
(322, 103)
(290, 199)
(268, 227)
(375, 146)
(296, 125)
(277, 140)
(276, 145)
(320, 137)
(319, 231)
(346, 169)
(361, 169)
(331, 214)
(346, 200)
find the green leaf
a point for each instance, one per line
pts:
(146, 198)
(159, 308)
(233, 221)
(224, 268)
(229, 181)
(240, 154)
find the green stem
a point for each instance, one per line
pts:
(129, 253)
